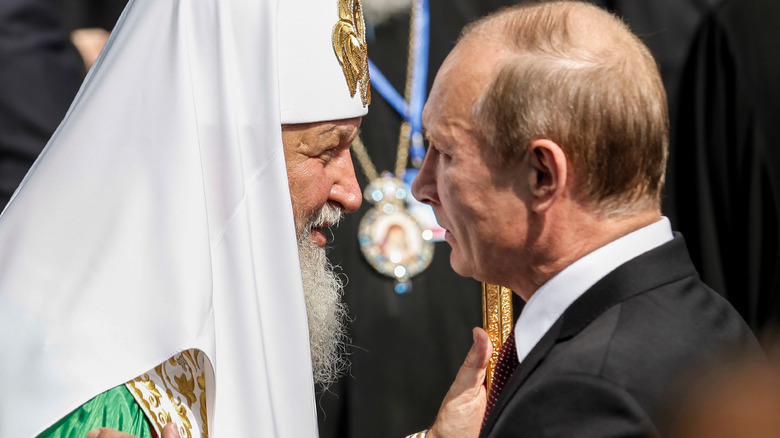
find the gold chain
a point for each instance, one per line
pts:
(403, 150)
(403, 138)
(365, 161)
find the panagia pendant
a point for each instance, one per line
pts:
(391, 239)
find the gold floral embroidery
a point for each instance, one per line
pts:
(202, 386)
(150, 403)
(349, 43)
(169, 393)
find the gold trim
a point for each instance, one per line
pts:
(149, 404)
(349, 43)
(496, 320)
(175, 391)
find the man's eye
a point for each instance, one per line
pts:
(439, 152)
(329, 154)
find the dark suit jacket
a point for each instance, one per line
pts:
(604, 367)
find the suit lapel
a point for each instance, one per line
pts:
(664, 264)
(521, 374)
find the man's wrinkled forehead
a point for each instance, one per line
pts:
(341, 129)
(310, 137)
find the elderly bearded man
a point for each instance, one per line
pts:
(149, 267)
(322, 185)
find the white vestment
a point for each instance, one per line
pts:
(158, 219)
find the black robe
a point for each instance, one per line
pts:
(40, 73)
(728, 155)
(79, 14)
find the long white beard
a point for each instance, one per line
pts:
(327, 314)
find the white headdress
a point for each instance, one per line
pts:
(158, 219)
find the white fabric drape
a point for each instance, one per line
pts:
(158, 219)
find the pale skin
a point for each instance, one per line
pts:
(89, 42)
(320, 171)
(515, 225)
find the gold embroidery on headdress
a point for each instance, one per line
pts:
(349, 43)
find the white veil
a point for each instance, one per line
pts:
(158, 219)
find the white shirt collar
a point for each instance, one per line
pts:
(549, 302)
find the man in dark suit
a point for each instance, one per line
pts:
(548, 135)
(431, 322)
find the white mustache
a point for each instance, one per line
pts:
(329, 215)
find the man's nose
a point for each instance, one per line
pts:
(346, 190)
(424, 185)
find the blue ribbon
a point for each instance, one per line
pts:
(411, 111)
(380, 83)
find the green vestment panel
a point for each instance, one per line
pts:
(115, 409)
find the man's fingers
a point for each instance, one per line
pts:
(471, 376)
(472, 373)
(480, 352)
(170, 431)
(104, 432)
(463, 407)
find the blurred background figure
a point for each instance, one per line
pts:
(728, 156)
(89, 23)
(40, 73)
(738, 398)
(46, 47)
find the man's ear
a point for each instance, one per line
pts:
(547, 176)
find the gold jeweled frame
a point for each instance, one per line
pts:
(496, 320)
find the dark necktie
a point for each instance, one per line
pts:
(507, 362)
